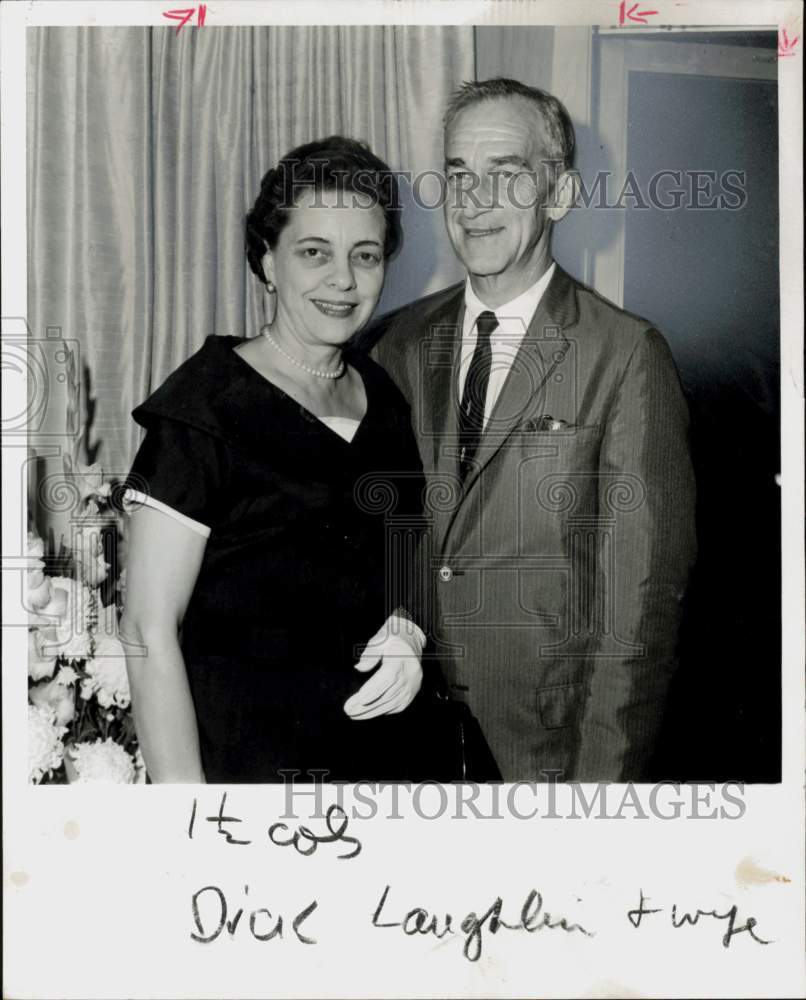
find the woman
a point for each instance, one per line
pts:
(266, 490)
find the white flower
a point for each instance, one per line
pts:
(52, 611)
(88, 551)
(40, 665)
(66, 676)
(35, 546)
(39, 594)
(106, 674)
(53, 694)
(38, 591)
(45, 749)
(102, 760)
(70, 617)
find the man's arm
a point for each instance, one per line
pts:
(643, 577)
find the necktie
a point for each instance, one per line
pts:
(471, 416)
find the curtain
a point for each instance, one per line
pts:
(145, 150)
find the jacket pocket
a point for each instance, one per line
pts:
(560, 705)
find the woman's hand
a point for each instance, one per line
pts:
(398, 645)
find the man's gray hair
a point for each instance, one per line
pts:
(556, 120)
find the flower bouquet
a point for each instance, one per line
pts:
(80, 726)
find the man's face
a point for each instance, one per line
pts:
(497, 183)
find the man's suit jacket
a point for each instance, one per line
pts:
(555, 573)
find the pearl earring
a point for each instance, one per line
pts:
(270, 287)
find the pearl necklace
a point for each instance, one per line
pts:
(335, 373)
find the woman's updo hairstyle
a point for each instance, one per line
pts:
(332, 164)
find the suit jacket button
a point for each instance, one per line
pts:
(446, 574)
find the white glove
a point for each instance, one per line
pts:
(398, 645)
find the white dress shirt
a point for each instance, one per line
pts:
(513, 318)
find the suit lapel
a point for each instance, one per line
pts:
(436, 371)
(537, 367)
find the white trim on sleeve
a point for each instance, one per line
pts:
(136, 497)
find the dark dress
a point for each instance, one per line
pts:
(305, 559)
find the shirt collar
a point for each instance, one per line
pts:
(521, 308)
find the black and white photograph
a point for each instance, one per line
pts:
(406, 439)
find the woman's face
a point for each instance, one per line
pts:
(327, 267)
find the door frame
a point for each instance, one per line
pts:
(621, 56)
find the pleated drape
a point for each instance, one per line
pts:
(145, 150)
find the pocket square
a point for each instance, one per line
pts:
(546, 423)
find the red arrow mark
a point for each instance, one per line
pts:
(633, 14)
(786, 45)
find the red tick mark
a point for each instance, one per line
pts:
(633, 14)
(786, 45)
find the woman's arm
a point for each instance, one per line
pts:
(163, 564)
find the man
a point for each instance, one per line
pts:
(552, 429)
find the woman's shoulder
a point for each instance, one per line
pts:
(201, 391)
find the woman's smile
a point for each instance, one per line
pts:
(334, 308)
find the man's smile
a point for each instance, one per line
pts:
(479, 233)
